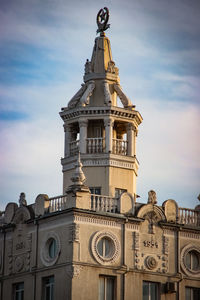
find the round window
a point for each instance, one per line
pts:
(50, 249)
(190, 260)
(105, 247)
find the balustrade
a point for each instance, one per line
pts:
(95, 145)
(120, 146)
(189, 216)
(57, 203)
(104, 203)
(74, 147)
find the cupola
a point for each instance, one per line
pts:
(104, 133)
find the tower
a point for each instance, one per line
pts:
(104, 132)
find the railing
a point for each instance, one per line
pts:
(95, 145)
(189, 216)
(120, 146)
(104, 203)
(74, 147)
(57, 203)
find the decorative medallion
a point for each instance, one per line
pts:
(105, 247)
(151, 262)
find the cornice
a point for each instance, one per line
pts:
(102, 160)
(96, 112)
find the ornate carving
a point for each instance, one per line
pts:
(136, 240)
(74, 230)
(112, 69)
(19, 263)
(75, 99)
(88, 67)
(165, 245)
(74, 270)
(78, 177)
(151, 262)
(124, 99)
(152, 197)
(22, 214)
(108, 122)
(85, 99)
(107, 95)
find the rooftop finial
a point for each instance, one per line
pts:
(102, 20)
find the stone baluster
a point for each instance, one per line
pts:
(108, 123)
(83, 135)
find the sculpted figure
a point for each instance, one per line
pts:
(22, 199)
(152, 197)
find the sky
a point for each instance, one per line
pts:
(43, 48)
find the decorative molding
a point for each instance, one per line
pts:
(124, 99)
(190, 235)
(165, 245)
(102, 111)
(132, 226)
(74, 270)
(74, 233)
(114, 251)
(136, 239)
(97, 220)
(75, 99)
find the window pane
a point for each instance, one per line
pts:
(52, 248)
(194, 261)
(187, 294)
(110, 289)
(196, 294)
(100, 247)
(107, 246)
(145, 291)
(153, 288)
(101, 288)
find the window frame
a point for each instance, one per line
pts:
(18, 290)
(157, 284)
(105, 278)
(191, 291)
(46, 285)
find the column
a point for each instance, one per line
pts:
(108, 123)
(131, 139)
(83, 136)
(67, 130)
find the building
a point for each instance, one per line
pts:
(96, 241)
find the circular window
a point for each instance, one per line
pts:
(105, 247)
(50, 249)
(190, 260)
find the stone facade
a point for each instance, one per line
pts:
(96, 241)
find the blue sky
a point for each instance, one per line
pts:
(43, 47)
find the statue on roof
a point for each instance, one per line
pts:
(102, 19)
